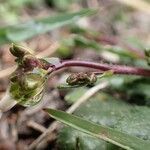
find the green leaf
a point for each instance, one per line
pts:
(30, 29)
(71, 139)
(105, 110)
(67, 86)
(84, 42)
(122, 52)
(64, 51)
(61, 4)
(74, 95)
(105, 133)
(136, 89)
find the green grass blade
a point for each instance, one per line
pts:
(24, 31)
(107, 134)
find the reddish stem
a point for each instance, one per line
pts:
(117, 69)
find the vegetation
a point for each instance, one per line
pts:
(100, 79)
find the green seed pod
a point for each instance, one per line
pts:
(28, 81)
(19, 51)
(27, 88)
(81, 79)
(72, 79)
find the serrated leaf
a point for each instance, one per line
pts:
(102, 132)
(30, 29)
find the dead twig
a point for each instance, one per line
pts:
(36, 126)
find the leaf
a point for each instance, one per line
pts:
(61, 4)
(67, 45)
(30, 29)
(136, 89)
(72, 139)
(67, 86)
(107, 134)
(64, 51)
(84, 42)
(74, 95)
(122, 52)
(107, 111)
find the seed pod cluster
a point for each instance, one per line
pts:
(28, 81)
(82, 79)
(28, 88)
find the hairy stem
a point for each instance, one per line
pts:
(117, 69)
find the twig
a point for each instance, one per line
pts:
(86, 96)
(56, 125)
(36, 126)
(14, 132)
(49, 51)
(117, 69)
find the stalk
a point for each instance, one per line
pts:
(117, 69)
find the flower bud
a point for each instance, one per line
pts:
(19, 51)
(30, 62)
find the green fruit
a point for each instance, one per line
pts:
(28, 89)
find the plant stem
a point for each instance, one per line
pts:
(117, 69)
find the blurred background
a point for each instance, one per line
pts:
(118, 32)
